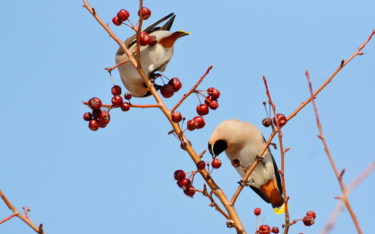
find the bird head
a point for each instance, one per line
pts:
(216, 147)
(169, 40)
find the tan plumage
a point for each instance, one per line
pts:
(242, 142)
(153, 58)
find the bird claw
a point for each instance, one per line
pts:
(260, 159)
(244, 183)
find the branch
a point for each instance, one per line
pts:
(234, 218)
(38, 230)
(191, 90)
(344, 197)
(340, 205)
(282, 153)
(296, 111)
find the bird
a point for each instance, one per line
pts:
(242, 142)
(153, 58)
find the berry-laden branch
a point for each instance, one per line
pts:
(297, 110)
(344, 196)
(340, 205)
(234, 219)
(24, 218)
(280, 121)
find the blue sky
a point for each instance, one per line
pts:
(120, 179)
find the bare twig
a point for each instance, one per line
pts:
(344, 196)
(25, 219)
(340, 205)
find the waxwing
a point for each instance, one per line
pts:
(153, 58)
(242, 142)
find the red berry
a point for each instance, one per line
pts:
(144, 39)
(167, 91)
(96, 113)
(201, 165)
(275, 230)
(267, 122)
(125, 106)
(179, 175)
(146, 13)
(190, 191)
(191, 125)
(184, 183)
(116, 21)
(95, 103)
(214, 93)
(208, 100)
(104, 118)
(257, 211)
(123, 15)
(176, 84)
(216, 163)
(117, 100)
(199, 122)
(202, 109)
(128, 96)
(87, 116)
(213, 105)
(153, 40)
(311, 213)
(264, 229)
(176, 117)
(183, 145)
(308, 220)
(281, 118)
(94, 124)
(116, 90)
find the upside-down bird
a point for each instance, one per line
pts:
(242, 142)
(153, 58)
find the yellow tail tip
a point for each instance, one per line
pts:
(279, 210)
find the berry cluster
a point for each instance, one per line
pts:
(187, 183)
(264, 229)
(198, 122)
(99, 118)
(117, 100)
(279, 117)
(123, 15)
(184, 183)
(309, 219)
(173, 86)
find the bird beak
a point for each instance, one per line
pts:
(182, 33)
(211, 150)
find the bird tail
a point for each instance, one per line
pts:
(279, 210)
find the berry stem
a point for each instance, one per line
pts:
(192, 90)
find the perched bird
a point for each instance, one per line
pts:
(242, 142)
(153, 58)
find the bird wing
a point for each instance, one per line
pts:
(152, 28)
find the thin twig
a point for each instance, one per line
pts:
(340, 205)
(192, 89)
(26, 220)
(344, 197)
